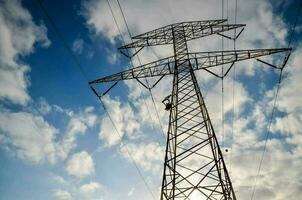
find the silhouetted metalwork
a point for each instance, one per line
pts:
(194, 167)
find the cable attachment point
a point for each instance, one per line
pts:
(167, 102)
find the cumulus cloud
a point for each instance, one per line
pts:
(77, 125)
(29, 135)
(77, 46)
(62, 195)
(59, 179)
(149, 156)
(43, 106)
(130, 193)
(80, 165)
(90, 188)
(124, 120)
(18, 34)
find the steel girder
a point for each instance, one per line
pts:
(199, 60)
(192, 30)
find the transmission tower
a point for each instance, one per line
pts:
(194, 168)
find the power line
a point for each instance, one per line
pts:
(60, 36)
(233, 89)
(222, 79)
(127, 149)
(295, 24)
(120, 7)
(115, 21)
(76, 61)
(275, 103)
(131, 62)
(128, 30)
(267, 135)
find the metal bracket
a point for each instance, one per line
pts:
(231, 38)
(121, 50)
(97, 94)
(231, 66)
(129, 56)
(237, 36)
(274, 66)
(212, 73)
(137, 51)
(224, 75)
(228, 37)
(149, 88)
(271, 65)
(142, 83)
(285, 60)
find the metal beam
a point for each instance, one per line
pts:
(199, 60)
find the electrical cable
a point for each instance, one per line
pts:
(124, 42)
(295, 24)
(128, 151)
(76, 61)
(60, 36)
(222, 81)
(125, 21)
(274, 105)
(131, 62)
(233, 90)
(267, 135)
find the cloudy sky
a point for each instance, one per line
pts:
(56, 140)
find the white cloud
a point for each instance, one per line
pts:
(80, 165)
(112, 56)
(124, 120)
(18, 34)
(77, 46)
(29, 135)
(62, 195)
(90, 188)
(149, 156)
(130, 193)
(59, 179)
(43, 107)
(77, 125)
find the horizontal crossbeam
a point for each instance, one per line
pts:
(192, 30)
(198, 61)
(159, 31)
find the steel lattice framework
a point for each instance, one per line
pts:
(194, 167)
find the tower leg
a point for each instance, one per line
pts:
(194, 167)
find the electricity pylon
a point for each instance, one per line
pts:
(194, 167)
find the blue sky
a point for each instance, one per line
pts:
(58, 143)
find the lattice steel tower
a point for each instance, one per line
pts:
(194, 167)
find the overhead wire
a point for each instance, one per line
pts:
(295, 24)
(131, 62)
(139, 60)
(80, 68)
(222, 81)
(274, 104)
(233, 91)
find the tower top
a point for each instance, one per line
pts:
(192, 30)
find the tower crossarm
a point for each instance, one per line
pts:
(204, 60)
(159, 31)
(157, 68)
(192, 30)
(200, 60)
